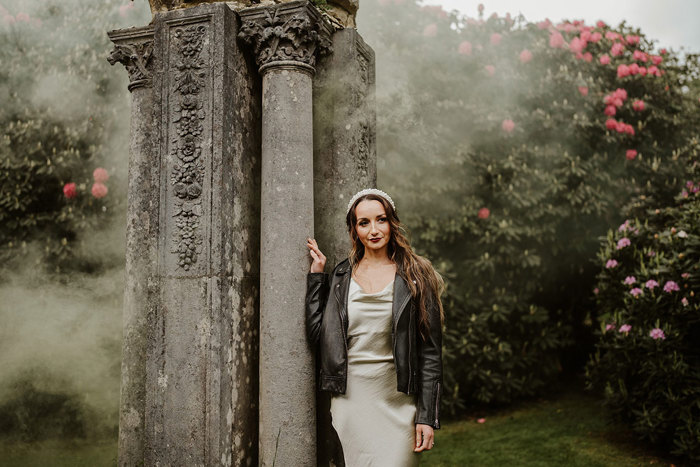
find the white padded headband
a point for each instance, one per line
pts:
(369, 191)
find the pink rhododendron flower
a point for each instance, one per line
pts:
(684, 301)
(653, 71)
(632, 39)
(685, 275)
(611, 264)
(495, 38)
(624, 226)
(633, 69)
(596, 36)
(638, 105)
(601, 24)
(583, 90)
(585, 35)
(663, 51)
(465, 48)
(623, 242)
(617, 49)
(430, 30)
(577, 45)
(588, 57)
(625, 328)
(621, 93)
(611, 36)
(100, 175)
(643, 70)
(651, 253)
(546, 24)
(631, 154)
(490, 69)
(481, 420)
(623, 70)
(525, 56)
(604, 59)
(610, 124)
(636, 292)
(650, 284)
(629, 280)
(596, 291)
(556, 40)
(671, 286)
(639, 55)
(657, 333)
(508, 125)
(98, 190)
(610, 110)
(610, 326)
(684, 194)
(69, 190)
(484, 213)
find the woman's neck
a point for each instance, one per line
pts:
(376, 258)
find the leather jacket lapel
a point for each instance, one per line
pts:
(401, 296)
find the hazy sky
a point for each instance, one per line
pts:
(674, 23)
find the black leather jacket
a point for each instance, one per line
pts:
(418, 363)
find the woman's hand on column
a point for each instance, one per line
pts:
(319, 260)
(425, 438)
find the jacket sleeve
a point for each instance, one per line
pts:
(430, 370)
(316, 297)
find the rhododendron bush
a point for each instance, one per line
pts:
(647, 359)
(65, 117)
(511, 146)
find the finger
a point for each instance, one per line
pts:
(313, 255)
(418, 437)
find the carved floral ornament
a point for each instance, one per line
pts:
(293, 37)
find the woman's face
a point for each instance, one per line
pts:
(372, 225)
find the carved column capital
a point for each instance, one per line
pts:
(287, 34)
(133, 48)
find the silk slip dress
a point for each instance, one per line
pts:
(374, 421)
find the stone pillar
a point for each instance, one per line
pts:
(286, 39)
(202, 203)
(134, 49)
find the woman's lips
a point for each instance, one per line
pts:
(375, 240)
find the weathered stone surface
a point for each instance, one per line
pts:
(133, 48)
(293, 32)
(202, 204)
(286, 40)
(341, 12)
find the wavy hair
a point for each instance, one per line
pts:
(412, 267)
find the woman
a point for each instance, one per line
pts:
(377, 320)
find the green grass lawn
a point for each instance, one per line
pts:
(568, 430)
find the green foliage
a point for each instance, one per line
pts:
(524, 144)
(652, 380)
(62, 105)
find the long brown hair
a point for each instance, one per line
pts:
(422, 279)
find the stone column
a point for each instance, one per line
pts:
(134, 49)
(286, 39)
(198, 341)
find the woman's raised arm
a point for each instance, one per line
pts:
(316, 292)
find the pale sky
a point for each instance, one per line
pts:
(673, 23)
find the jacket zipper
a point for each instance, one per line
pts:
(342, 327)
(437, 402)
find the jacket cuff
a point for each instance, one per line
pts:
(428, 404)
